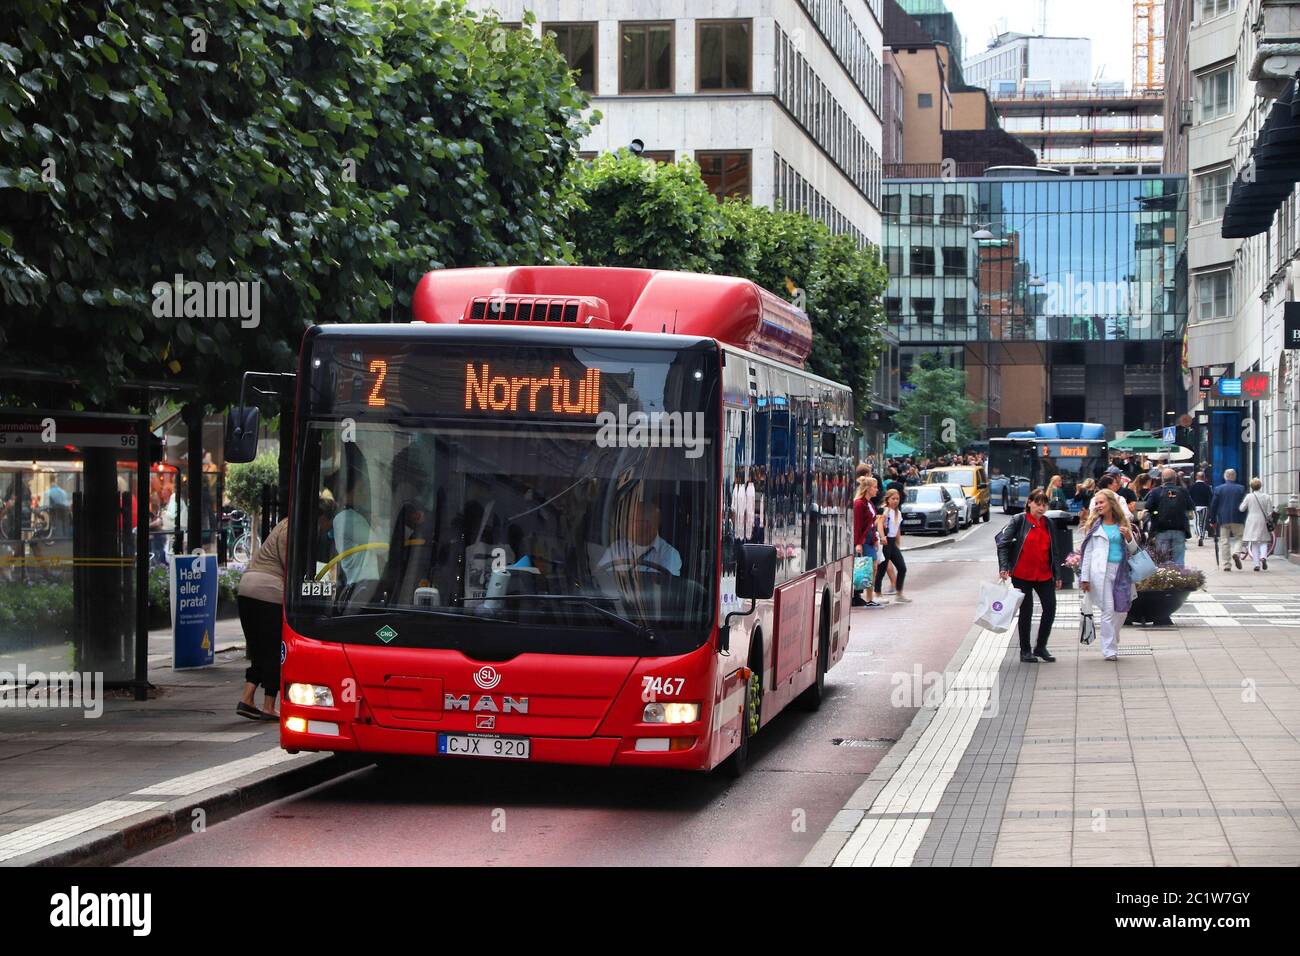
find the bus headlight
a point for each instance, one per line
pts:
(310, 695)
(674, 713)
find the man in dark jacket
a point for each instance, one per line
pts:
(1225, 513)
(1029, 558)
(1201, 494)
(1168, 505)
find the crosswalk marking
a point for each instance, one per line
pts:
(1205, 609)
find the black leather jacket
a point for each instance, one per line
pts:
(1011, 540)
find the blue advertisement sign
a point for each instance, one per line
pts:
(194, 610)
(1230, 387)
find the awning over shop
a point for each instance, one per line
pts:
(896, 447)
(1271, 173)
(1139, 441)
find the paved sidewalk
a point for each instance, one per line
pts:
(74, 789)
(1184, 752)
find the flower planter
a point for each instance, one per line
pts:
(1156, 607)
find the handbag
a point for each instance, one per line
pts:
(1087, 625)
(1140, 566)
(863, 567)
(1268, 516)
(998, 606)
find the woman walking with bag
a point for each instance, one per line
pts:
(889, 528)
(1107, 541)
(864, 536)
(1258, 536)
(1027, 557)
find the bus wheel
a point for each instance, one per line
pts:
(811, 699)
(738, 762)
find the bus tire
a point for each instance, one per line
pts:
(812, 697)
(736, 765)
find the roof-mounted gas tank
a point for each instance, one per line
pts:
(732, 310)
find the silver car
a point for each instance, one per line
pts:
(930, 508)
(969, 507)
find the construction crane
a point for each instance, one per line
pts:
(1148, 45)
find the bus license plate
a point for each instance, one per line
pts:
(481, 745)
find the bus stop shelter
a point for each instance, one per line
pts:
(74, 545)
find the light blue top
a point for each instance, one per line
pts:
(1116, 553)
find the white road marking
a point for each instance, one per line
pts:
(194, 782)
(60, 828)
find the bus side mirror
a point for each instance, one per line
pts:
(756, 572)
(241, 434)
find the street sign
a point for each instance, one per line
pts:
(1257, 385)
(1230, 387)
(1206, 382)
(1167, 435)
(1291, 325)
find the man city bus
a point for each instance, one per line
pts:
(514, 532)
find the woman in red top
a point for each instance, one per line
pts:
(864, 534)
(1027, 556)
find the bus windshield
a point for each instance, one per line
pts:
(499, 498)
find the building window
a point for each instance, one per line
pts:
(924, 309)
(891, 204)
(954, 311)
(922, 261)
(723, 54)
(646, 58)
(726, 174)
(1216, 93)
(1214, 295)
(893, 308)
(1212, 193)
(1215, 8)
(954, 208)
(894, 260)
(924, 101)
(922, 207)
(577, 43)
(954, 261)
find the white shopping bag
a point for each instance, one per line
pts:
(998, 606)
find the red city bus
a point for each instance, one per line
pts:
(525, 525)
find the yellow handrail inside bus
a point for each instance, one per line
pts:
(371, 546)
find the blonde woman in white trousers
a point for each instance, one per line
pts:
(1107, 541)
(1257, 538)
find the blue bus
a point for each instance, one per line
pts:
(1025, 460)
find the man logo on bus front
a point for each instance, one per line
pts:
(487, 677)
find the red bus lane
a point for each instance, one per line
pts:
(514, 812)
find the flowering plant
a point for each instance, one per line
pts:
(1072, 560)
(1169, 576)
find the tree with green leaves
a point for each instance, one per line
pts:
(635, 212)
(318, 157)
(935, 413)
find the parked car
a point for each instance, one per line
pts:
(973, 480)
(930, 508)
(968, 507)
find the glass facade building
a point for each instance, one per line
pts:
(1081, 278)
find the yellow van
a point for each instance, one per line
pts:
(972, 480)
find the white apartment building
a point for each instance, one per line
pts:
(778, 100)
(1241, 55)
(1063, 63)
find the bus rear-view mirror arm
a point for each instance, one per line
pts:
(242, 422)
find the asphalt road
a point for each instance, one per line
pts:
(804, 767)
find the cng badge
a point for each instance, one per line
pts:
(385, 634)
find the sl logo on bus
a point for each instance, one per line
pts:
(487, 677)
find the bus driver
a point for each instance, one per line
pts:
(642, 549)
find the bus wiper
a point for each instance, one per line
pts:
(627, 624)
(423, 612)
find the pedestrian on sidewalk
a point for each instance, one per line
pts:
(1168, 506)
(1201, 494)
(1258, 536)
(261, 611)
(864, 535)
(889, 528)
(1225, 513)
(1056, 494)
(1107, 538)
(1027, 556)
